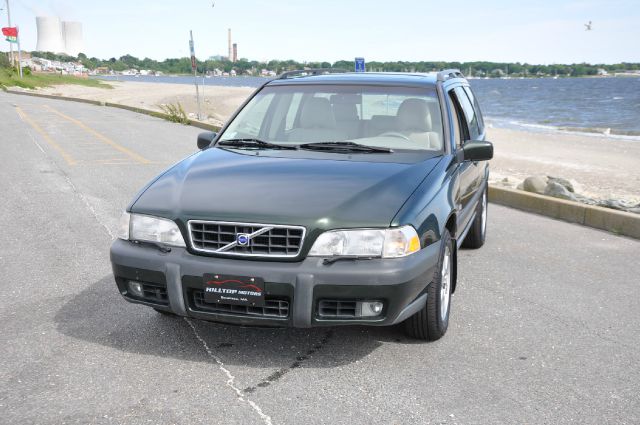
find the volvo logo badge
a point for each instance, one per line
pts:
(242, 239)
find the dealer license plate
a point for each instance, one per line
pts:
(238, 290)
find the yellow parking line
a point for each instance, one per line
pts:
(26, 118)
(100, 136)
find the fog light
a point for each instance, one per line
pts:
(136, 288)
(370, 308)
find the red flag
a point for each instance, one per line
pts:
(10, 31)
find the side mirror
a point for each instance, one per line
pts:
(205, 139)
(477, 151)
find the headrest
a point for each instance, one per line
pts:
(345, 112)
(414, 115)
(317, 113)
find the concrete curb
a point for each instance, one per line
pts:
(149, 112)
(618, 222)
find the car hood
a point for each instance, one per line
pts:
(314, 192)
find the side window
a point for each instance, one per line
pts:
(460, 129)
(476, 107)
(469, 113)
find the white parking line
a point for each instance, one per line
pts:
(230, 381)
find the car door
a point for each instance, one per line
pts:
(467, 172)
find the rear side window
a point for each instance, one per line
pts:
(469, 113)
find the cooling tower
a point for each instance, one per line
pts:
(72, 36)
(49, 35)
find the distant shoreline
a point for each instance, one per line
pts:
(134, 78)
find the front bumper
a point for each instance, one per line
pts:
(176, 278)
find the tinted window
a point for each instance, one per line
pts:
(461, 130)
(476, 107)
(456, 122)
(469, 113)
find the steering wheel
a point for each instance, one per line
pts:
(394, 134)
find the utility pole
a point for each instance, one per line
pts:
(195, 72)
(10, 44)
(19, 52)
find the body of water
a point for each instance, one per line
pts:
(609, 106)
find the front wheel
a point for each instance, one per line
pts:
(431, 323)
(478, 231)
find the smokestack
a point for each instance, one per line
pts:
(235, 52)
(230, 47)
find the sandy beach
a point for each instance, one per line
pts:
(219, 102)
(599, 167)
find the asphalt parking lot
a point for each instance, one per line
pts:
(545, 323)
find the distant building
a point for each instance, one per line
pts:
(49, 34)
(59, 37)
(230, 56)
(235, 52)
(72, 37)
(101, 70)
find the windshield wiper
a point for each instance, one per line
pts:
(344, 147)
(253, 143)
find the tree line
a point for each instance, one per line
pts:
(245, 66)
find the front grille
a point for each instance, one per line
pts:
(272, 308)
(267, 241)
(336, 309)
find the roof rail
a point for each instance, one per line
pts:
(445, 74)
(309, 72)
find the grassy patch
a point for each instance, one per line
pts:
(10, 78)
(175, 113)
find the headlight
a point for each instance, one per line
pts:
(123, 226)
(387, 243)
(145, 228)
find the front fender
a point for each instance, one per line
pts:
(432, 204)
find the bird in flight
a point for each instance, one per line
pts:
(587, 27)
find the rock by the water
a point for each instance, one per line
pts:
(558, 191)
(564, 182)
(534, 184)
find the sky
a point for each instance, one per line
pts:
(540, 32)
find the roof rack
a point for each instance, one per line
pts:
(309, 72)
(445, 74)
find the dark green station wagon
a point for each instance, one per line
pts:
(327, 199)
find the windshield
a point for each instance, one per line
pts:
(388, 117)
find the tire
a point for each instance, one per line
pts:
(478, 231)
(431, 323)
(164, 313)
